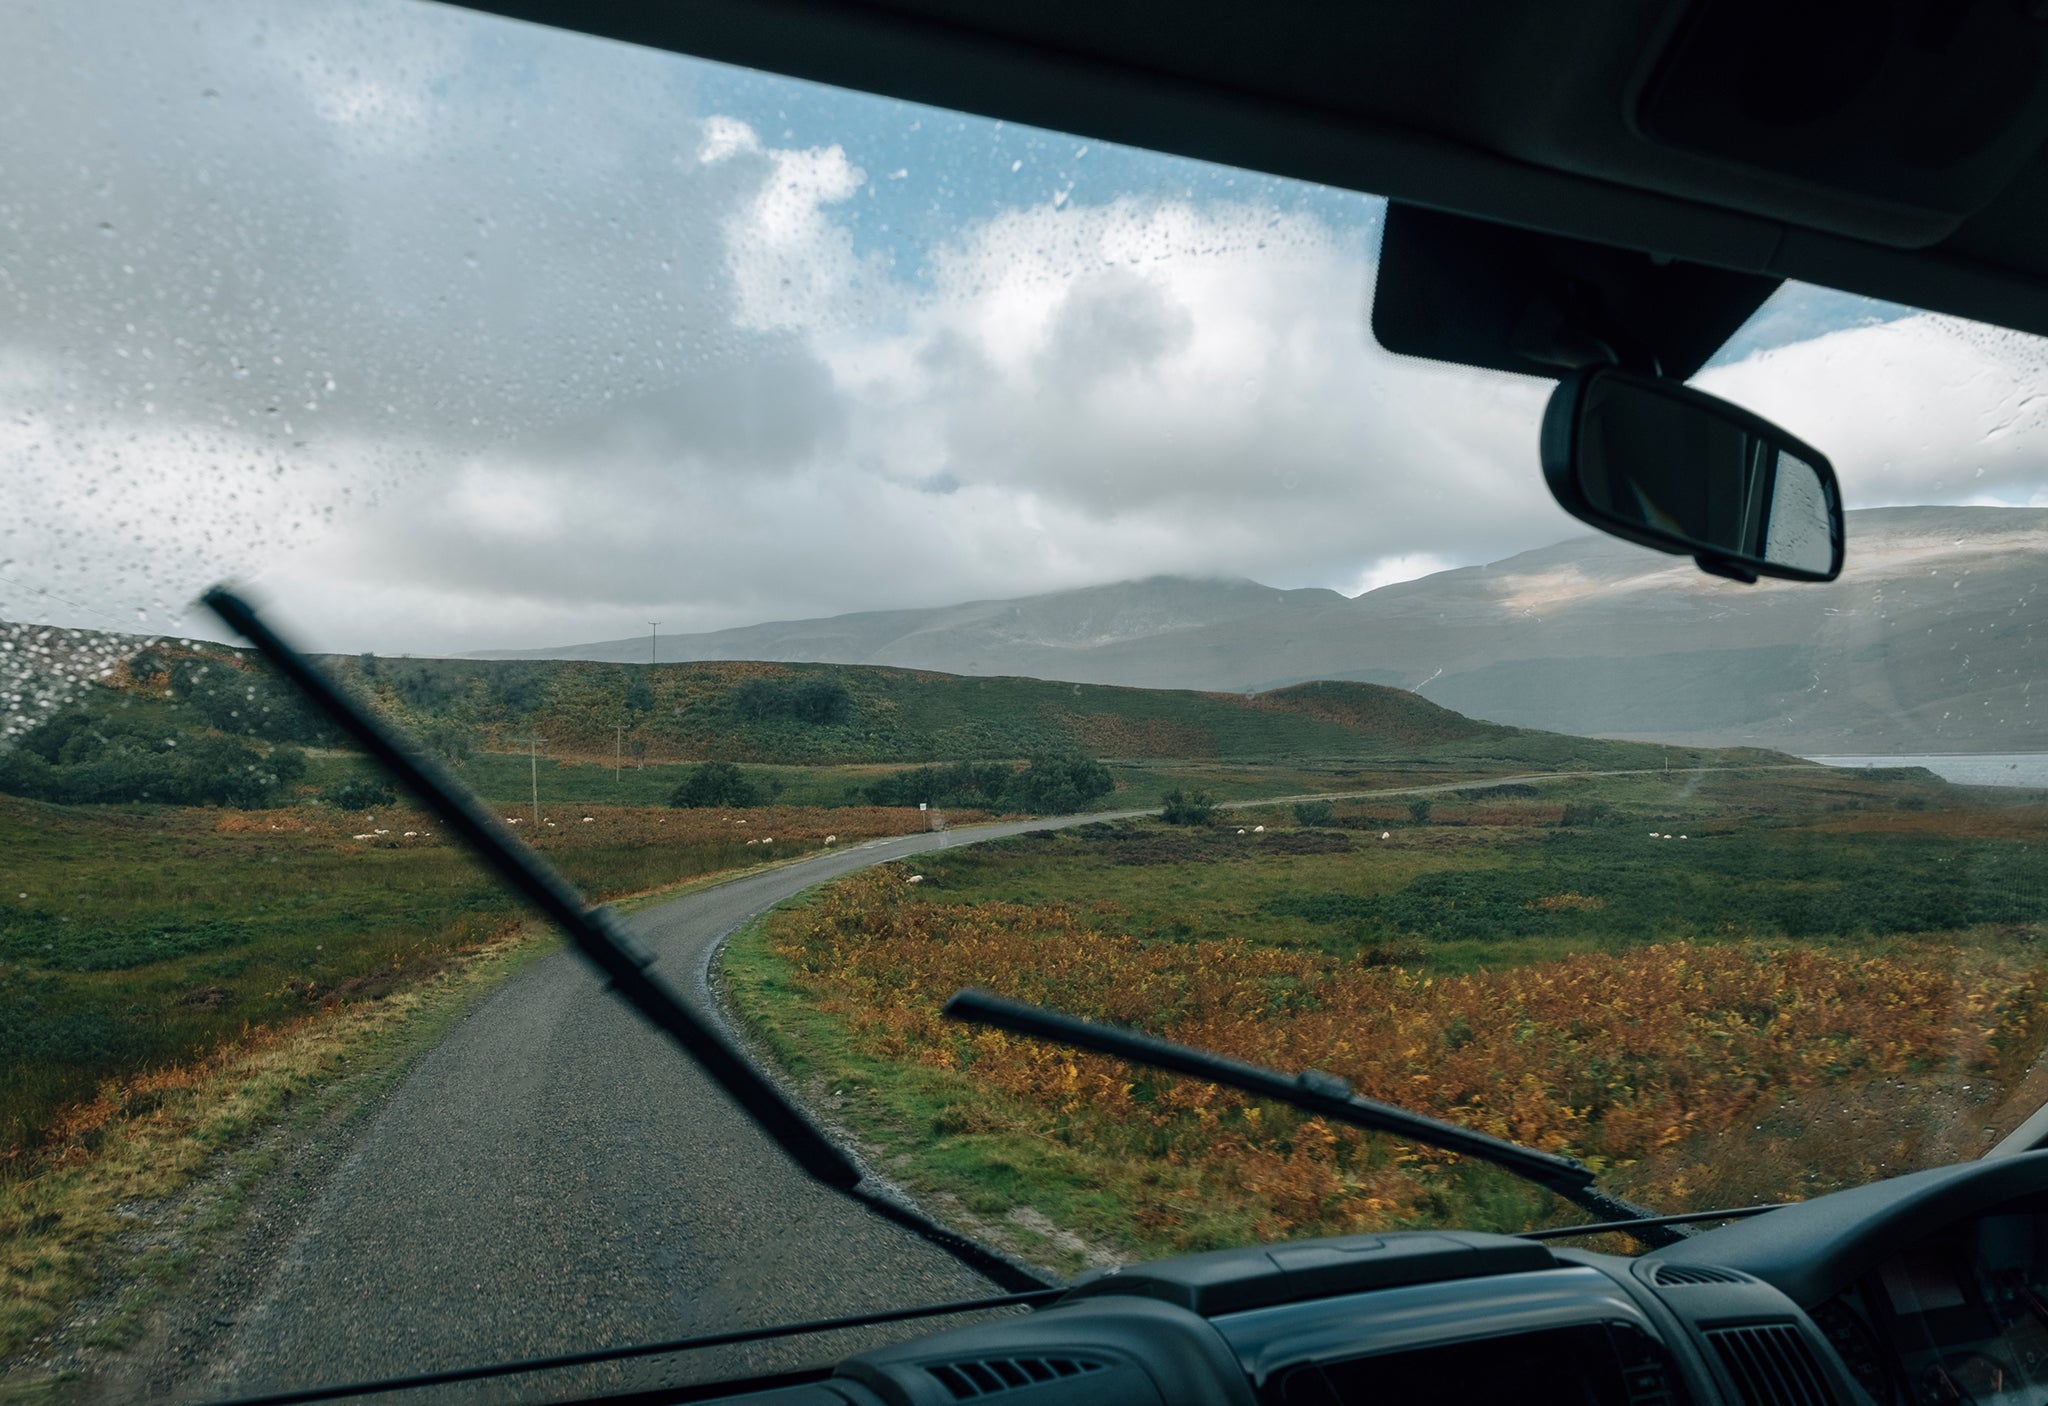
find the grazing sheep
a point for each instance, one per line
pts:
(1240, 832)
(412, 834)
(1258, 829)
(753, 842)
(1386, 834)
(588, 818)
(914, 879)
(831, 839)
(366, 837)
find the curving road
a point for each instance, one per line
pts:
(556, 1176)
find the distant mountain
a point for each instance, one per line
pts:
(1033, 637)
(1927, 643)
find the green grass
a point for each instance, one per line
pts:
(135, 939)
(1496, 881)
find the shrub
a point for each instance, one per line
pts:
(715, 784)
(1418, 810)
(78, 758)
(818, 701)
(358, 793)
(1312, 813)
(1591, 813)
(978, 784)
(1194, 808)
(287, 765)
(1059, 784)
(447, 739)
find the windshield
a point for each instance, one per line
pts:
(880, 552)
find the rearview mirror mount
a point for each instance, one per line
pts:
(1656, 462)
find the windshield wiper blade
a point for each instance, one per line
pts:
(1632, 1227)
(606, 944)
(1034, 1298)
(1313, 1092)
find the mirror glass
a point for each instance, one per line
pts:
(1674, 468)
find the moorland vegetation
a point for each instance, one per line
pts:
(1830, 978)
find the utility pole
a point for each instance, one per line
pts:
(533, 762)
(618, 753)
(654, 641)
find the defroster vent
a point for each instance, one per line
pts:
(1666, 1274)
(974, 1378)
(1772, 1364)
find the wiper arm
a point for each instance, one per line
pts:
(1314, 1092)
(602, 941)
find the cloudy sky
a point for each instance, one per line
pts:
(448, 333)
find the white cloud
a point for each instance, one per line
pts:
(1926, 409)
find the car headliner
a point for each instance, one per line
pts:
(1491, 108)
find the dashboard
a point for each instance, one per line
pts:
(1925, 1290)
(1957, 1319)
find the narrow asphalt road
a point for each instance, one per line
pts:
(556, 1176)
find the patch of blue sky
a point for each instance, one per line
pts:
(932, 172)
(1799, 312)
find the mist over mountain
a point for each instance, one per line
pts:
(1926, 643)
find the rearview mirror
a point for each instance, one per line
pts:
(1673, 468)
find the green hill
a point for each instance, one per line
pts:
(171, 722)
(824, 714)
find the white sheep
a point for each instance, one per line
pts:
(366, 837)
(588, 818)
(831, 839)
(1386, 834)
(914, 879)
(1258, 829)
(753, 842)
(767, 839)
(412, 834)
(1240, 832)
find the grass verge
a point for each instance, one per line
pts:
(159, 1164)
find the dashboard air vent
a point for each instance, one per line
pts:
(1667, 1274)
(978, 1377)
(1772, 1364)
